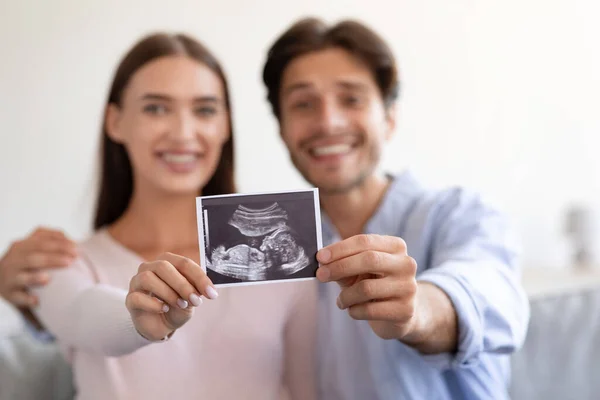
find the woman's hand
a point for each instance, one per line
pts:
(163, 294)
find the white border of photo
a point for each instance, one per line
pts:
(203, 226)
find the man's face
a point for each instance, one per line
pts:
(333, 119)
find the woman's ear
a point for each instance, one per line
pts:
(112, 121)
(228, 128)
(390, 119)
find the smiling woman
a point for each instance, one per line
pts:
(167, 137)
(158, 105)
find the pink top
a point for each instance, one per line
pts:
(253, 342)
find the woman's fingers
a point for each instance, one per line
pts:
(193, 273)
(139, 301)
(149, 281)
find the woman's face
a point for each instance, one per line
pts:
(173, 121)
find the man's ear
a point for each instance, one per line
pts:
(112, 121)
(390, 120)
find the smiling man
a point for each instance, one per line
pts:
(427, 303)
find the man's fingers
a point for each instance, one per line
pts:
(21, 298)
(369, 290)
(358, 244)
(390, 311)
(56, 246)
(42, 232)
(26, 279)
(139, 301)
(38, 244)
(193, 273)
(37, 260)
(367, 262)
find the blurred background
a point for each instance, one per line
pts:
(500, 96)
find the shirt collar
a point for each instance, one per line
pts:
(397, 202)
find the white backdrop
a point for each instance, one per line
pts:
(500, 96)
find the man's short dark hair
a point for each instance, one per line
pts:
(312, 34)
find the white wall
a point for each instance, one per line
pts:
(500, 96)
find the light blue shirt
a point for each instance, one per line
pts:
(465, 248)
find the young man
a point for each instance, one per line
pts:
(427, 301)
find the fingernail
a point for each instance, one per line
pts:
(323, 273)
(338, 302)
(182, 303)
(165, 308)
(211, 293)
(324, 255)
(195, 299)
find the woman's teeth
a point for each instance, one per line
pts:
(179, 158)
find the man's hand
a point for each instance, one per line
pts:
(378, 281)
(26, 262)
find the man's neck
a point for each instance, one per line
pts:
(154, 223)
(349, 212)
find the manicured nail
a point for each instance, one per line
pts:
(339, 303)
(211, 293)
(195, 299)
(182, 304)
(323, 273)
(324, 255)
(165, 308)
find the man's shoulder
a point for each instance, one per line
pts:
(11, 322)
(438, 199)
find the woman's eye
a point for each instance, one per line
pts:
(155, 109)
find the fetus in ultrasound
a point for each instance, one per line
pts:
(269, 247)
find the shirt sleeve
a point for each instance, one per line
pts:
(85, 315)
(41, 335)
(473, 259)
(300, 342)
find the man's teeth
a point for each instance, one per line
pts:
(179, 158)
(334, 149)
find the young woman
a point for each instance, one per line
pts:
(129, 312)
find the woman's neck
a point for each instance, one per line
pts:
(154, 224)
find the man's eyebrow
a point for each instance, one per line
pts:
(295, 87)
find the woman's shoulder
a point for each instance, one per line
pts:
(101, 248)
(107, 259)
(97, 241)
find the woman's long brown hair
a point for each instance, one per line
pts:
(116, 180)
